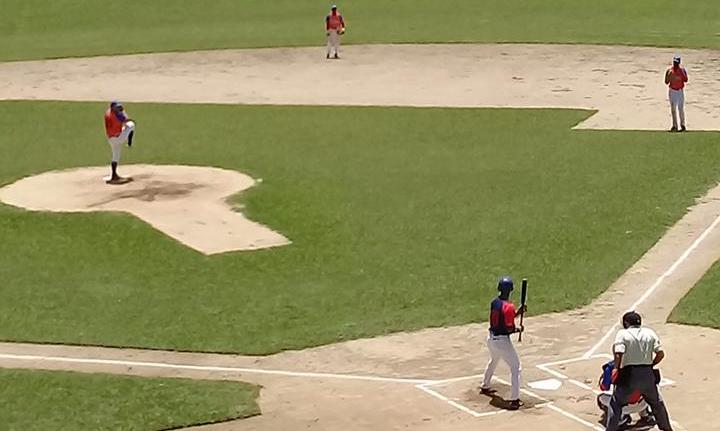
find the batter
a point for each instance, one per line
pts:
(502, 325)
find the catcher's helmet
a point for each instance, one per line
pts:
(505, 284)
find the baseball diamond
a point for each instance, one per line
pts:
(417, 215)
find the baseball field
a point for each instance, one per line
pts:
(343, 282)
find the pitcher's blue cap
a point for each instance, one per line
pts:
(116, 104)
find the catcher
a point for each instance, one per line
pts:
(334, 27)
(635, 402)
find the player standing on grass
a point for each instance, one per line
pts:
(675, 78)
(334, 27)
(119, 130)
(502, 325)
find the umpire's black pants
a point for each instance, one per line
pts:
(642, 378)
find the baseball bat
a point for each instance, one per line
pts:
(523, 298)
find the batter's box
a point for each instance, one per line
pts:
(464, 393)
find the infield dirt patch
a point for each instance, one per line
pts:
(188, 203)
(624, 83)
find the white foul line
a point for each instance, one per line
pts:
(458, 406)
(659, 281)
(210, 368)
(575, 418)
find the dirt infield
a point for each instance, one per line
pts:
(427, 380)
(624, 84)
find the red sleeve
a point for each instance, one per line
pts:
(509, 314)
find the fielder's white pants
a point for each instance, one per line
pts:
(677, 105)
(116, 142)
(333, 42)
(501, 348)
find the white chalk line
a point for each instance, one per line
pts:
(577, 419)
(659, 281)
(455, 404)
(164, 365)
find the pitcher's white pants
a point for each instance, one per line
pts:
(677, 105)
(333, 42)
(117, 142)
(501, 348)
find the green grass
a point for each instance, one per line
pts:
(53, 400)
(400, 218)
(700, 305)
(47, 29)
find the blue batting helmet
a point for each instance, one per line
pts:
(505, 283)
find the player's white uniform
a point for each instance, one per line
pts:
(116, 142)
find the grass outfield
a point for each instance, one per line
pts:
(401, 218)
(60, 28)
(54, 400)
(700, 305)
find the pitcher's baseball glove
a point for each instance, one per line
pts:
(342, 31)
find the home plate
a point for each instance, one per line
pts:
(546, 385)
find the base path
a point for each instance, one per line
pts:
(625, 84)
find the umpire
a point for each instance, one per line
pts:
(637, 350)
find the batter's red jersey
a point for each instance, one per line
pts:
(502, 317)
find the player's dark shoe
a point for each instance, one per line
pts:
(673, 129)
(487, 391)
(625, 422)
(336, 57)
(130, 138)
(515, 404)
(646, 421)
(327, 55)
(683, 129)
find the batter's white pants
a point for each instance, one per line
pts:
(501, 348)
(333, 42)
(677, 105)
(117, 142)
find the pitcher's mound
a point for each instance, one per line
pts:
(187, 203)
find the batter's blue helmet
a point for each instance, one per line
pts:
(505, 283)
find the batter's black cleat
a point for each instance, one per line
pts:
(515, 404)
(336, 57)
(327, 55)
(673, 129)
(487, 391)
(683, 129)
(130, 137)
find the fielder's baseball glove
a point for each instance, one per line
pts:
(341, 31)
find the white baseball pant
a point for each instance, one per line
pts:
(333, 42)
(677, 105)
(116, 142)
(501, 348)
